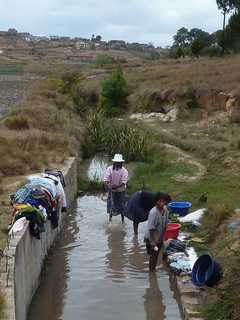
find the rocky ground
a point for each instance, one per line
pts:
(13, 90)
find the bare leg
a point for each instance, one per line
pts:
(153, 260)
(135, 227)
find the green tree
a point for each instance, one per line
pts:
(196, 33)
(98, 38)
(196, 46)
(114, 93)
(182, 37)
(232, 37)
(226, 6)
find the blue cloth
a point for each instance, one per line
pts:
(47, 183)
(22, 194)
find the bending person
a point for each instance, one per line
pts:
(115, 179)
(157, 221)
(138, 207)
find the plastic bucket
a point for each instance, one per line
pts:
(206, 271)
(179, 207)
(172, 231)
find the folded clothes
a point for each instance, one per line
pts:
(181, 265)
(175, 246)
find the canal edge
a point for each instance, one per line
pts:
(24, 256)
(189, 296)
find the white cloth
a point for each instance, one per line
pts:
(18, 225)
(193, 216)
(60, 191)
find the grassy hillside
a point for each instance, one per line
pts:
(43, 130)
(197, 154)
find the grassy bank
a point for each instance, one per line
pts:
(215, 149)
(196, 155)
(43, 130)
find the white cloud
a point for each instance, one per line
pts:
(131, 20)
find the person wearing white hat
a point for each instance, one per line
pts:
(115, 179)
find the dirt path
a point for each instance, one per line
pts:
(182, 156)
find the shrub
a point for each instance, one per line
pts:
(17, 122)
(191, 98)
(114, 93)
(212, 51)
(153, 55)
(103, 60)
(70, 86)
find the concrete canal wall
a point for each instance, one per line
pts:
(24, 257)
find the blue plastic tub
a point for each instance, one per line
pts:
(180, 207)
(206, 271)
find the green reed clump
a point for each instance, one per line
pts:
(111, 137)
(212, 219)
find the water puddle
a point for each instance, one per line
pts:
(99, 271)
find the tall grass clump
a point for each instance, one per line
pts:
(223, 303)
(111, 137)
(17, 122)
(212, 219)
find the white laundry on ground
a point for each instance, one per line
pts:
(193, 217)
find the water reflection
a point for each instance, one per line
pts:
(137, 257)
(153, 300)
(116, 257)
(100, 271)
(51, 298)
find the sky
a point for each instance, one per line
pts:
(142, 21)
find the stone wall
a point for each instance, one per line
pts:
(24, 257)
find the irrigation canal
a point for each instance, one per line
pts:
(99, 271)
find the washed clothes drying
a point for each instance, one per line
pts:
(175, 246)
(35, 217)
(47, 183)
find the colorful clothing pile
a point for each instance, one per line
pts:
(39, 200)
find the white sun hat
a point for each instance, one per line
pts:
(118, 158)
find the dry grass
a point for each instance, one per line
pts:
(167, 81)
(205, 73)
(43, 130)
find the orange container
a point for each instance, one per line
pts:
(172, 231)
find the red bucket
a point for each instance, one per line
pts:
(172, 231)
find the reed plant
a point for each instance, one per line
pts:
(111, 137)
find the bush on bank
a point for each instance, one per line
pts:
(114, 93)
(109, 136)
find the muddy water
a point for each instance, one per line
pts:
(99, 271)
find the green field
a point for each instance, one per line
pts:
(11, 69)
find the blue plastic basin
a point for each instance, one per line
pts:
(179, 207)
(206, 271)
